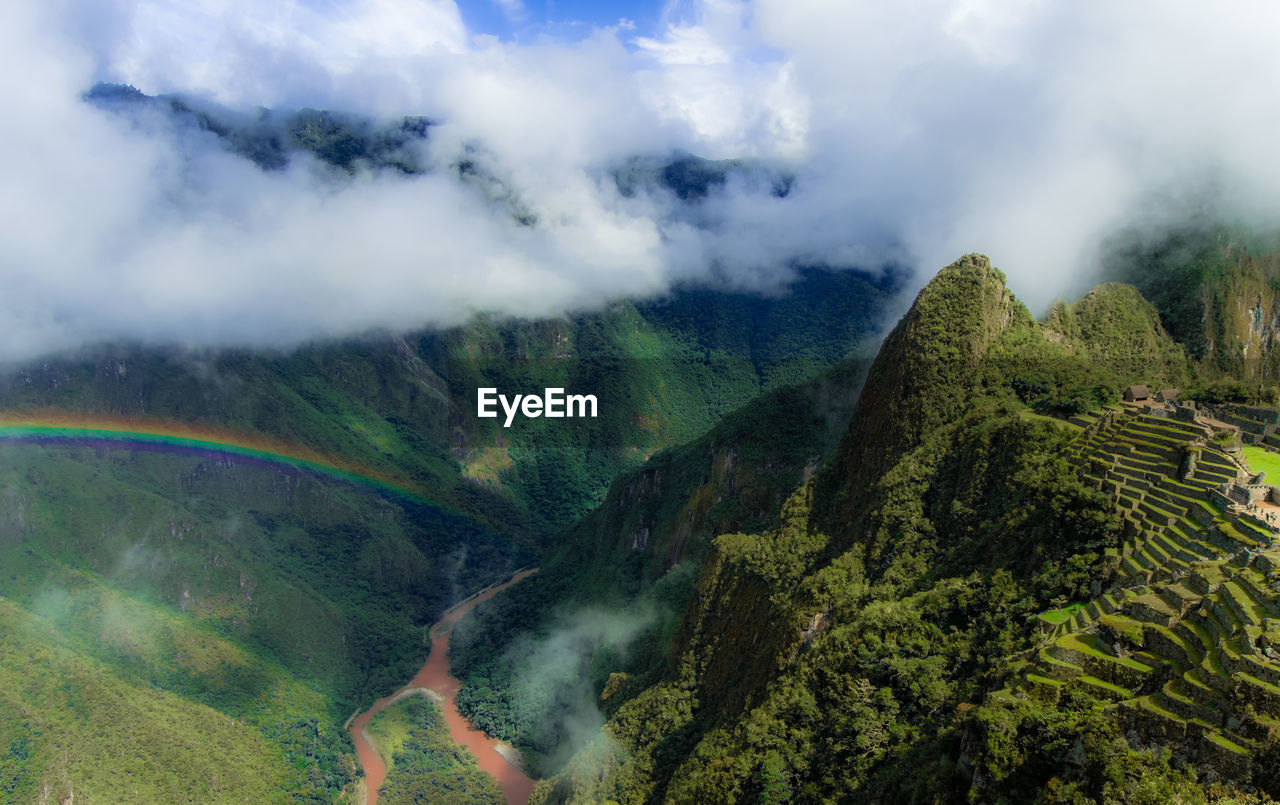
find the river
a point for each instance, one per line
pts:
(434, 678)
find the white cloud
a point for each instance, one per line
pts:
(685, 44)
(917, 131)
(278, 52)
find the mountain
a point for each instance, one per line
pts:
(925, 371)
(273, 139)
(190, 627)
(1215, 288)
(246, 545)
(1114, 326)
(152, 590)
(664, 371)
(772, 569)
(986, 603)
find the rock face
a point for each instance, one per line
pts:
(1241, 319)
(1217, 294)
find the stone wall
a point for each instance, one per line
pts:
(1270, 416)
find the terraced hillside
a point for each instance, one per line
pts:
(1182, 640)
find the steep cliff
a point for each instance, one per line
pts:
(925, 371)
(636, 559)
(1216, 290)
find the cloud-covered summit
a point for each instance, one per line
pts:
(907, 132)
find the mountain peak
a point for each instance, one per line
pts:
(1115, 326)
(926, 367)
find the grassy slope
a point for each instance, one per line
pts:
(75, 724)
(281, 602)
(1261, 460)
(179, 595)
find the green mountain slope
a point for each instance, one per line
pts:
(195, 627)
(263, 606)
(1113, 326)
(631, 565)
(865, 648)
(664, 371)
(74, 725)
(926, 369)
(1215, 288)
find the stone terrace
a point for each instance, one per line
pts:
(1185, 642)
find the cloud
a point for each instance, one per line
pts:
(552, 687)
(915, 131)
(279, 52)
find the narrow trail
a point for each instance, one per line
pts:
(434, 681)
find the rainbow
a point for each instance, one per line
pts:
(54, 426)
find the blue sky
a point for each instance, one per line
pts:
(567, 19)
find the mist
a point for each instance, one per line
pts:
(554, 688)
(914, 132)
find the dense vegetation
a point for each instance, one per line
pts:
(280, 602)
(626, 558)
(836, 642)
(607, 600)
(1089, 350)
(307, 598)
(1216, 289)
(665, 371)
(740, 640)
(879, 645)
(423, 763)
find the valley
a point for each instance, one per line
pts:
(751, 402)
(169, 519)
(434, 682)
(963, 550)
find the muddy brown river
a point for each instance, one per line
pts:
(434, 676)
